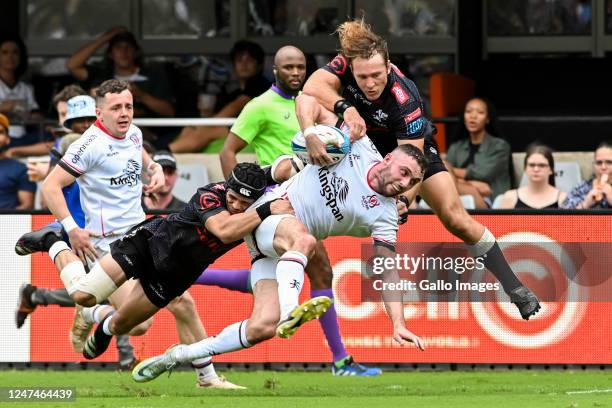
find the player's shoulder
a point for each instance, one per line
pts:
(403, 90)
(134, 131)
(90, 138)
(366, 147)
(258, 104)
(210, 196)
(338, 65)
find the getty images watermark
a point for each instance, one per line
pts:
(408, 264)
(449, 272)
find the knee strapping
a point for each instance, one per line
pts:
(71, 274)
(97, 283)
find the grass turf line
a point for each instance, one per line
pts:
(303, 389)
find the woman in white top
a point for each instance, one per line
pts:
(16, 97)
(540, 191)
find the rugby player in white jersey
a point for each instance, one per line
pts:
(355, 197)
(107, 161)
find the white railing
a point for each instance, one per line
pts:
(156, 122)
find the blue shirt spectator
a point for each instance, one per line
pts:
(16, 191)
(13, 181)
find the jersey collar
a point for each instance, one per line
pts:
(281, 93)
(100, 126)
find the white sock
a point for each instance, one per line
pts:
(484, 244)
(56, 248)
(204, 368)
(71, 274)
(231, 338)
(290, 277)
(105, 325)
(94, 314)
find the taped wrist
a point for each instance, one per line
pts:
(264, 210)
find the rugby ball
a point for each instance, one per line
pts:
(338, 143)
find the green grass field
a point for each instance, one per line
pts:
(97, 389)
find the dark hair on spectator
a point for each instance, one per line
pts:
(537, 148)
(491, 128)
(605, 144)
(68, 92)
(129, 38)
(250, 47)
(111, 86)
(358, 40)
(415, 152)
(23, 51)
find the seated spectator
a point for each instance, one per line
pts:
(164, 199)
(123, 60)
(480, 159)
(43, 148)
(540, 191)
(16, 191)
(247, 60)
(597, 191)
(16, 97)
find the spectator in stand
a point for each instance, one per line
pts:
(164, 199)
(596, 192)
(479, 159)
(247, 60)
(16, 191)
(60, 103)
(124, 60)
(540, 192)
(16, 97)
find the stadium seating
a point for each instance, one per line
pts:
(191, 176)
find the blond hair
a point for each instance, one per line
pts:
(358, 40)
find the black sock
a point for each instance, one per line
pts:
(49, 239)
(495, 261)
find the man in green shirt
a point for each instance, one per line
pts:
(268, 123)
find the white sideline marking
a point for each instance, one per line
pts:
(588, 392)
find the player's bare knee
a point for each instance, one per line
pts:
(183, 307)
(83, 298)
(305, 244)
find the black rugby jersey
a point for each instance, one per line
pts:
(181, 243)
(396, 114)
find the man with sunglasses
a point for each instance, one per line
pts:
(164, 199)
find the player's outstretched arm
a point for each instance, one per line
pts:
(394, 304)
(232, 227)
(325, 87)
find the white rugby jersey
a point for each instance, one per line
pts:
(338, 200)
(108, 170)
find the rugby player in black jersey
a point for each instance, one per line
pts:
(166, 255)
(378, 98)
